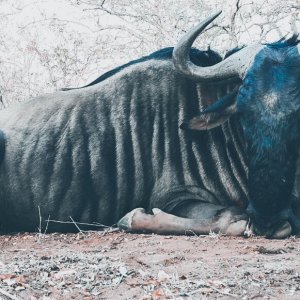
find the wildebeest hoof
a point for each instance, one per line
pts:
(232, 221)
(237, 228)
(128, 221)
(157, 211)
(283, 232)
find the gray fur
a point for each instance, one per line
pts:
(97, 153)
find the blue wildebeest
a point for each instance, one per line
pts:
(205, 144)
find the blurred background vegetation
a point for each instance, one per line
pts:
(47, 45)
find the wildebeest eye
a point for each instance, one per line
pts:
(243, 91)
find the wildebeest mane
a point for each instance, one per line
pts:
(198, 57)
(283, 42)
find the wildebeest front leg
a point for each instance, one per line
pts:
(206, 218)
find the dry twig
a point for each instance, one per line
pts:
(79, 223)
(80, 231)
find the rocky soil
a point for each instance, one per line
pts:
(117, 265)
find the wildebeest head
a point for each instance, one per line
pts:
(268, 102)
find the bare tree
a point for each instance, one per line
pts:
(46, 45)
(153, 23)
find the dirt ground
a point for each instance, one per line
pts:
(117, 265)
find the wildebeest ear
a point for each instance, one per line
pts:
(203, 122)
(215, 114)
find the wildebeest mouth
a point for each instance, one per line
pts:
(264, 226)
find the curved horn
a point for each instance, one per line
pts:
(232, 67)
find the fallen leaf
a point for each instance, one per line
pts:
(9, 281)
(143, 273)
(117, 280)
(163, 276)
(20, 279)
(153, 282)
(6, 276)
(123, 271)
(157, 294)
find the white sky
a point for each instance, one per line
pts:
(28, 22)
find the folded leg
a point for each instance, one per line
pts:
(197, 217)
